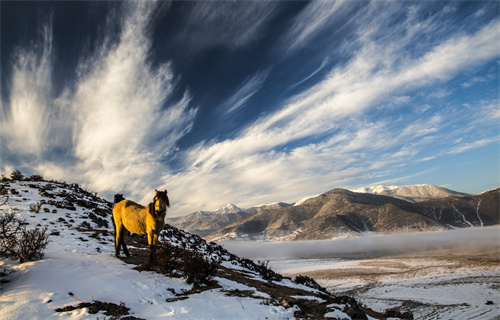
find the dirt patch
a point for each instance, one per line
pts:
(109, 308)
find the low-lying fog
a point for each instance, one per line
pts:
(370, 245)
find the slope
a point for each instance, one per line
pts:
(79, 275)
(412, 193)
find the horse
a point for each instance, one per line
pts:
(131, 216)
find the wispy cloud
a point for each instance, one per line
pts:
(246, 90)
(26, 119)
(117, 125)
(317, 16)
(230, 23)
(254, 167)
(121, 119)
(472, 145)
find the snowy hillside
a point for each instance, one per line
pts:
(79, 276)
(229, 208)
(412, 193)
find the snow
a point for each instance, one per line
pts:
(228, 208)
(337, 314)
(301, 201)
(374, 189)
(74, 271)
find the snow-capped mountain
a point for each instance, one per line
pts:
(203, 223)
(228, 208)
(412, 193)
(340, 213)
(80, 278)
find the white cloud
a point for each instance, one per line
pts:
(317, 16)
(252, 170)
(246, 90)
(117, 126)
(230, 23)
(472, 145)
(26, 118)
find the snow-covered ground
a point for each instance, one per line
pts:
(77, 267)
(440, 275)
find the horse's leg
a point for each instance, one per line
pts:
(118, 238)
(151, 244)
(122, 238)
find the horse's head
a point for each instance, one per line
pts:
(160, 203)
(118, 197)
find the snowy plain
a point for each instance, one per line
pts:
(451, 274)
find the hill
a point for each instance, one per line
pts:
(203, 223)
(340, 213)
(413, 193)
(80, 277)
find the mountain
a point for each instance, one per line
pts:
(203, 223)
(80, 278)
(341, 212)
(413, 193)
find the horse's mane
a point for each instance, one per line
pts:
(118, 198)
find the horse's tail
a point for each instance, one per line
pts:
(113, 220)
(118, 198)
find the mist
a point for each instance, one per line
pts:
(474, 240)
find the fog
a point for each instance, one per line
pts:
(474, 240)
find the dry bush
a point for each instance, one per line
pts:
(17, 175)
(18, 242)
(176, 261)
(199, 269)
(35, 207)
(309, 282)
(10, 228)
(168, 259)
(32, 244)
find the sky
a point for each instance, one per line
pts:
(250, 102)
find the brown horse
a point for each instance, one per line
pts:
(131, 216)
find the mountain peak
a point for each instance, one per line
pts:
(228, 208)
(420, 192)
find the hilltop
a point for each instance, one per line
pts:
(80, 276)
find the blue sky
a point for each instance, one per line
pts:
(251, 102)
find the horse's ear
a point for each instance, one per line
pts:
(166, 191)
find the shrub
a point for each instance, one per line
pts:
(36, 178)
(17, 175)
(199, 269)
(35, 207)
(168, 258)
(176, 261)
(18, 242)
(266, 272)
(10, 228)
(310, 282)
(32, 244)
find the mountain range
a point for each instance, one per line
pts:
(203, 223)
(340, 212)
